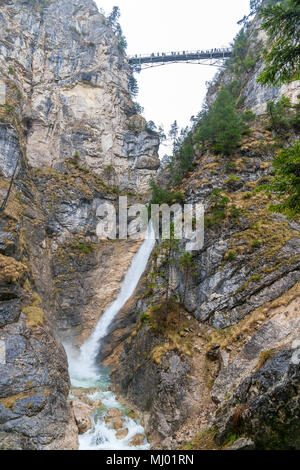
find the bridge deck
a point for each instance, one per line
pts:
(180, 56)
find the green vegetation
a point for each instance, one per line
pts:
(84, 248)
(256, 244)
(217, 211)
(283, 116)
(73, 29)
(264, 357)
(248, 116)
(11, 70)
(286, 181)
(230, 256)
(35, 316)
(242, 59)
(255, 278)
(221, 126)
(168, 249)
(113, 21)
(239, 65)
(203, 441)
(282, 59)
(188, 267)
(182, 162)
(165, 196)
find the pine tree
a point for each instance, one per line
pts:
(282, 24)
(286, 181)
(173, 133)
(222, 125)
(168, 248)
(187, 266)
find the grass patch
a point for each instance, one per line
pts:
(10, 269)
(203, 441)
(264, 357)
(84, 248)
(35, 315)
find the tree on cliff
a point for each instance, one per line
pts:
(188, 267)
(286, 181)
(113, 21)
(282, 60)
(222, 126)
(173, 134)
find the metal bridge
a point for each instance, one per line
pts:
(207, 57)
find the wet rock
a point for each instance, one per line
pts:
(9, 149)
(9, 312)
(265, 406)
(242, 444)
(137, 440)
(82, 414)
(121, 433)
(113, 413)
(160, 392)
(115, 423)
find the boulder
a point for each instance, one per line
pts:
(122, 433)
(137, 440)
(114, 413)
(82, 414)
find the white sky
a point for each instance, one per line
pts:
(176, 91)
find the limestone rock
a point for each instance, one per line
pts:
(121, 433)
(137, 440)
(242, 444)
(114, 413)
(82, 413)
(115, 423)
(75, 94)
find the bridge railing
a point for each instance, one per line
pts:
(181, 53)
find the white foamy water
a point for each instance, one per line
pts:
(86, 374)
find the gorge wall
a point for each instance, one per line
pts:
(224, 370)
(69, 125)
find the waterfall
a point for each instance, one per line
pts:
(83, 369)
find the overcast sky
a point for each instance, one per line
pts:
(176, 91)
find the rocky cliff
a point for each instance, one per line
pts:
(225, 365)
(70, 133)
(252, 94)
(222, 370)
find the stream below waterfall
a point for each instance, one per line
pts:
(86, 375)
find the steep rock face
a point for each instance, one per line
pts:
(73, 78)
(159, 391)
(255, 96)
(69, 129)
(244, 294)
(34, 380)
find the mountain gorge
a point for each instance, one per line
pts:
(220, 368)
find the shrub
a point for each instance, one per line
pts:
(256, 244)
(248, 116)
(279, 115)
(286, 181)
(282, 59)
(165, 196)
(264, 357)
(222, 126)
(234, 212)
(84, 248)
(218, 210)
(230, 256)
